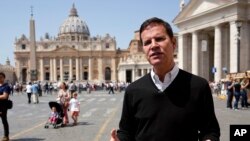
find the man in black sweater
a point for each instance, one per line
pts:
(168, 104)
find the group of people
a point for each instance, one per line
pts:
(68, 100)
(33, 90)
(237, 89)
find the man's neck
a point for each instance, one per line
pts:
(162, 71)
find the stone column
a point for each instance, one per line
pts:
(77, 68)
(205, 66)
(133, 74)
(61, 69)
(195, 54)
(217, 53)
(51, 69)
(182, 52)
(100, 69)
(18, 70)
(233, 48)
(122, 75)
(70, 69)
(113, 70)
(148, 70)
(54, 69)
(81, 71)
(90, 69)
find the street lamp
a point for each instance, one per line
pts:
(238, 24)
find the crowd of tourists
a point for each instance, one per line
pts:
(236, 91)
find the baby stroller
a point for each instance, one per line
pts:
(59, 118)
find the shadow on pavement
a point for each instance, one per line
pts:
(28, 139)
(79, 123)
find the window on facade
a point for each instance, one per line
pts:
(46, 46)
(23, 46)
(65, 61)
(46, 61)
(84, 45)
(107, 45)
(66, 76)
(85, 68)
(139, 72)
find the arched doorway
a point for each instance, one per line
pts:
(107, 74)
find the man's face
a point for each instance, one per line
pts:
(157, 45)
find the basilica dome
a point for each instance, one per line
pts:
(73, 24)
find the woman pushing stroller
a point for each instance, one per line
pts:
(63, 99)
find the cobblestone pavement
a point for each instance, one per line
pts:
(227, 117)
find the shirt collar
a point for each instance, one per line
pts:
(168, 79)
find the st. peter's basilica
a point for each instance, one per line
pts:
(75, 55)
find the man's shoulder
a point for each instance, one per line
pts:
(192, 78)
(141, 82)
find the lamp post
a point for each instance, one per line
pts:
(238, 24)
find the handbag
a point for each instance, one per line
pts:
(9, 104)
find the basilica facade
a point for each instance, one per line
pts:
(75, 55)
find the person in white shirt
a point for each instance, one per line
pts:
(74, 108)
(29, 91)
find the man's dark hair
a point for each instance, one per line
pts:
(166, 25)
(1, 73)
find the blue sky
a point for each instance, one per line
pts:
(119, 18)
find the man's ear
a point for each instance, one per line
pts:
(174, 42)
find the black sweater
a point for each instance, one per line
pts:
(184, 111)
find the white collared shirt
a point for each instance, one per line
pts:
(168, 79)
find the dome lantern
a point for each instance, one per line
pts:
(73, 11)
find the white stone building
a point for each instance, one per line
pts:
(72, 55)
(134, 64)
(214, 35)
